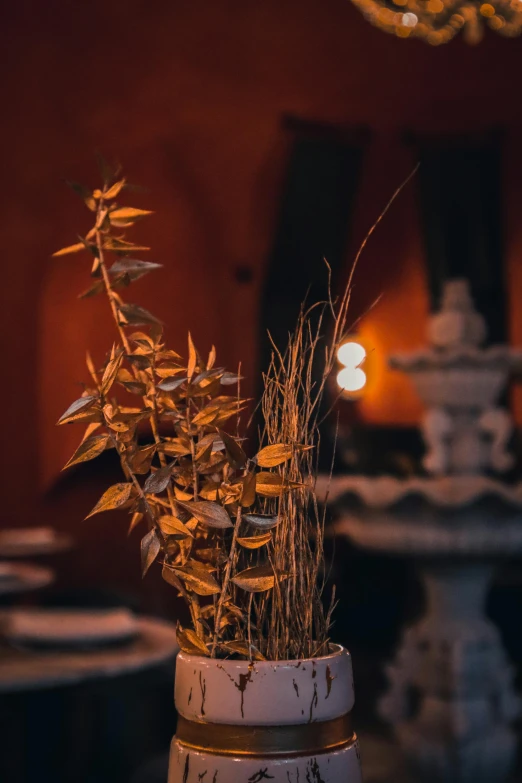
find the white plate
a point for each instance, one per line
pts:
(7, 572)
(24, 577)
(55, 627)
(27, 535)
(31, 541)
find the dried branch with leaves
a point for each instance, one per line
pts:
(240, 538)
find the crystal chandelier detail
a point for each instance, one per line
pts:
(438, 21)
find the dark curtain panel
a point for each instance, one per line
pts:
(316, 206)
(461, 212)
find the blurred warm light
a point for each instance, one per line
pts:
(351, 354)
(351, 378)
(409, 20)
(438, 21)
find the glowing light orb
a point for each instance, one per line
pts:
(351, 378)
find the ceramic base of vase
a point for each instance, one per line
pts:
(191, 766)
(280, 721)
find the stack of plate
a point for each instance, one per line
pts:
(31, 541)
(23, 577)
(64, 628)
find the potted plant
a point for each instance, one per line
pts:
(261, 692)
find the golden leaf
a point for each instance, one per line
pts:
(205, 377)
(173, 526)
(193, 357)
(90, 448)
(139, 361)
(235, 454)
(274, 455)
(79, 405)
(119, 245)
(261, 521)
(96, 268)
(141, 460)
(90, 366)
(206, 416)
(224, 416)
(115, 497)
(129, 213)
(270, 485)
(254, 542)
(97, 288)
(230, 378)
(211, 358)
(159, 481)
(150, 549)
(208, 513)
(111, 371)
(231, 493)
(248, 495)
(133, 267)
(92, 427)
(70, 249)
(204, 453)
(197, 578)
(114, 190)
(210, 490)
(136, 519)
(190, 642)
(257, 579)
(142, 337)
(136, 315)
(124, 376)
(181, 495)
(243, 648)
(134, 387)
(168, 368)
(170, 384)
(176, 447)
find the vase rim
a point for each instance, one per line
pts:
(336, 651)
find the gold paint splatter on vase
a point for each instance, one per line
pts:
(261, 774)
(203, 686)
(186, 770)
(313, 703)
(313, 768)
(329, 679)
(244, 679)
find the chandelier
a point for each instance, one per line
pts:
(438, 21)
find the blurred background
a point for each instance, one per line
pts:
(266, 135)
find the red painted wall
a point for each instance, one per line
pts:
(189, 96)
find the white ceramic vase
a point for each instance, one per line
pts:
(284, 721)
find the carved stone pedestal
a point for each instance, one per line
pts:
(451, 700)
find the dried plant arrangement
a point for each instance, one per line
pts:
(239, 537)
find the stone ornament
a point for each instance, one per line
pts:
(460, 382)
(450, 699)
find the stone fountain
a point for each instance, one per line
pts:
(451, 700)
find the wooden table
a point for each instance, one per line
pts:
(87, 716)
(22, 670)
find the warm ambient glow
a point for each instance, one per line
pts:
(351, 378)
(438, 21)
